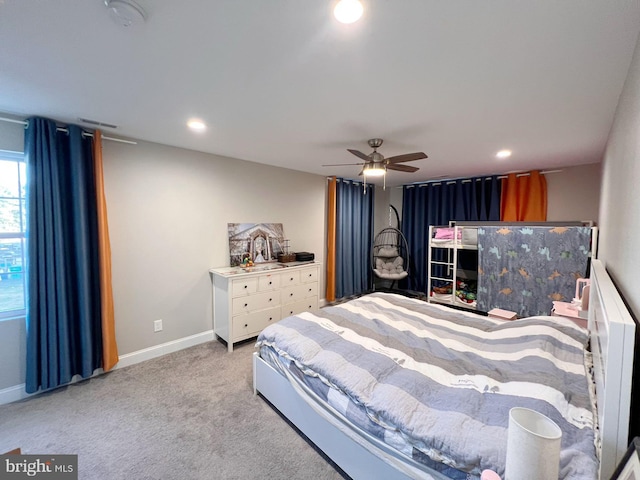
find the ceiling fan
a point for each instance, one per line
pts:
(375, 165)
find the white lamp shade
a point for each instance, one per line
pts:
(533, 446)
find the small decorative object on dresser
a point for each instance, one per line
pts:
(304, 257)
(246, 300)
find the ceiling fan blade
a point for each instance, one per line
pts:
(403, 168)
(341, 164)
(407, 157)
(358, 153)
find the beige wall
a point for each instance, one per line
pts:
(574, 193)
(168, 215)
(620, 199)
(381, 209)
(168, 210)
(11, 135)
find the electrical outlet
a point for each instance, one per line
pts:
(157, 325)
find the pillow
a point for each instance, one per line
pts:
(388, 252)
(444, 233)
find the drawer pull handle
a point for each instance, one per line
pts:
(270, 283)
(309, 289)
(291, 294)
(246, 325)
(271, 299)
(246, 286)
(291, 312)
(246, 304)
(291, 279)
(310, 275)
(270, 318)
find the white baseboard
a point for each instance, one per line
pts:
(17, 392)
(163, 349)
(13, 394)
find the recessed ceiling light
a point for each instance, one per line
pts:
(503, 154)
(196, 125)
(348, 11)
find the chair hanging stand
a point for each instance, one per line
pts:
(390, 256)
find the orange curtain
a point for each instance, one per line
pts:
(524, 198)
(331, 241)
(109, 347)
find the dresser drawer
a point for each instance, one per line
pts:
(250, 324)
(258, 301)
(290, 278)
(244, 286)
(305, 305)
(294, 293)
(309, 275)
(268, 282)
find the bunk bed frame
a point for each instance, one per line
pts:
(612, 343)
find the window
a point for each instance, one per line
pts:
(13, 224)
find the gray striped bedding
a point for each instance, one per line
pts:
(442, 381)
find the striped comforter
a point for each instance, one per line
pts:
(445, 380)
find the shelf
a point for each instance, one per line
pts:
(449, 299)
(454, 273)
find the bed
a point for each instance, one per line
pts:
(294, 373)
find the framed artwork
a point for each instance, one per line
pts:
(258, 242)
(629, 467)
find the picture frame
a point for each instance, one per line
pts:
(255, 242)
(629, 467)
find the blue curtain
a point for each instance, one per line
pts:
(354, 235)
(437, 203)
(64, 336)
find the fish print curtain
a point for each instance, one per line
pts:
(525, 269)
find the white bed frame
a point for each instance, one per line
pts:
(612, 340)
(612, 344)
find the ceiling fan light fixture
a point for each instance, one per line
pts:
(374, 170)
(348, 11)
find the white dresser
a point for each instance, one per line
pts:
(245, 301)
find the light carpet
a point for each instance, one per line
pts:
(187, 415)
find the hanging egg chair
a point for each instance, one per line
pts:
(390, 255)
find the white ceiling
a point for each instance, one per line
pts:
(281, 82)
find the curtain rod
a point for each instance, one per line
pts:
(61, 129)
(468, 180)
